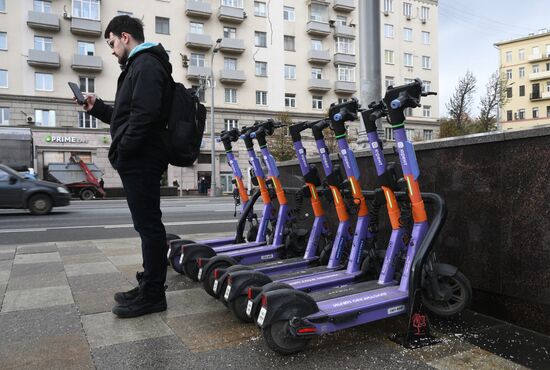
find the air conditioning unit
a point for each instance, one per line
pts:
(30, 119)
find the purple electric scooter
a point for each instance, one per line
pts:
(289, 318)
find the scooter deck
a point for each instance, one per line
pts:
(239, 246)
(308, 271)
(348, 290)
(321, 280)
(217, 242)
(276, 266)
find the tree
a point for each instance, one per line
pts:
(495, 97)
(280, 143)
(459, 105)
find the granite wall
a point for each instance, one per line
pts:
(498, 225)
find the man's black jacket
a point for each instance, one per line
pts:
(138, 118)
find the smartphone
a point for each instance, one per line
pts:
(77, 93)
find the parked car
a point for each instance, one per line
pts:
(38, 196)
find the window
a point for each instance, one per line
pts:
(231, 95)
(547, 86)
(290, 43)
(521, 54)
(3, 41)
(290, 72)
(509, 115)
(261, 69)
(388, 81)
(408, 80)
(536, 52)
(196, 60)
(42, 43)
(407, 34)
(408, 111)
(508, 56)
(87, 84)
(536, 68)
(388, 30)
(388, 6)
(345, 45)
(196, 27)
(424, 13)
(290, 100)
(123, 12)
(426, 111)
(509, 74)
(201, 94)
(317, 102)
(522, 90)
(388, 57)
(407, 10)
(425, 38)
(4, 116)
(548, 111)
(341, 20)
(85, 48)
(261, 97)
(88, 9)
(230, 32)
(342, 100)
(288, 14)
(3, 78)
(345, 73)
(42, 6)
(521, 114)
(426, 62)
(233, 3)
(535, 112)
(44, 117)
(162, 25)
(317, 73)
(316, 44)
(43, 81)
(410, 134)
(408, 60)
(318, 12)
(388, 133)
(260, 9)
(260, 39)
(3, 6)
(229, 124)
(521, 72)
(427, 134)
(509, 92)
(85, 120)
(230, 64)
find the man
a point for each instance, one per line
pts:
(137, 122)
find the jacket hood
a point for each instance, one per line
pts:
(156, 49)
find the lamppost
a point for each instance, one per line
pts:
(212, 133)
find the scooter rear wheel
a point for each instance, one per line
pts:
(278, 337)
(458, 294)
(238, 307)
(208, 282)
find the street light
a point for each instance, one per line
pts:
(212, 133)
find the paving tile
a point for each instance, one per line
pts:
(105, 329)
(57, 352)
(77, 250)
(19, 326)
(7, 255)
(5, 265)
(475, 359)
(176, 281)
(36, 248)
(38, 281)
(98, 301)
(83, 258)
(97, 282)
(90, 268)
(125, 260)
(27, 269)
(36, 258)
(122, 251)
(75, 244)
(111, 244)
(27, 299)
(211, 330)
(189, 302)
(166, 352)
(4, 276)
(130, 271)
(8, 248)
(2, 290)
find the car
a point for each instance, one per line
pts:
(38, 196)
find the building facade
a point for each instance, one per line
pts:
(292, 57)
(525, 62)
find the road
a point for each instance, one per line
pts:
(107, 219)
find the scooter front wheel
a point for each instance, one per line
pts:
(278, 337)
(457, 294)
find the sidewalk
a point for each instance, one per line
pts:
(55, 314)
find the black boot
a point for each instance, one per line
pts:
(151, 298)
(125, 297)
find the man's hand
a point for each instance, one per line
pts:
(88, 103)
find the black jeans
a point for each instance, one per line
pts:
(142, 188)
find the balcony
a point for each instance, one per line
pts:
(539, 96)
(315, 28)
(195, 72)
(539, 75)
(85, 27)
(232, 46)
(231, 15)
(344, 31)
(344, 6)
(198, 9)
(87, 63)
(348, 59)
(538, 57)
(43, 21)
(318, 56)
(198, 41)
(344, 87)
(232, 77)
(44, 59)
(318, 85)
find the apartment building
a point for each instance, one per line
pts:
(294, 57)
(525, 62)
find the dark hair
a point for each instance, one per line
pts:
(125, 23)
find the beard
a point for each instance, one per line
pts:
(123, 58)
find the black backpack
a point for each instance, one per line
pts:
(185, 126)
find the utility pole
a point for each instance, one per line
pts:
(213, 188)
